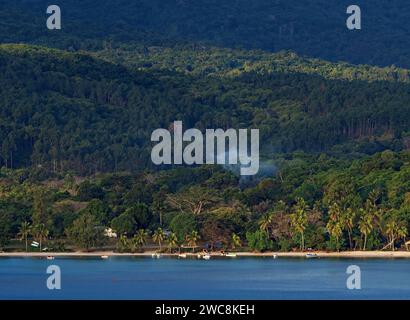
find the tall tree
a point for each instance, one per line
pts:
(140, 238)
(41, 204)
(40, 233)
(192, 239)
(86, 232)
(24, 232)
(365, 226)
(194, 199)
(236, 241)
(265, 222)
(394, 229)
(369, 216)
(299, 220)
(172, 240)
(158, 237)
(334, 225)
(347, 223)
(159, 204)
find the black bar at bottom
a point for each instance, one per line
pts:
(199, 309)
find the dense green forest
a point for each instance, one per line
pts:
(67, 111)
(314, 202)
(317, 30)
(78, 106)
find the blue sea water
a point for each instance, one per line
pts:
(170, 278)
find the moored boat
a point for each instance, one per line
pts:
(231, 255)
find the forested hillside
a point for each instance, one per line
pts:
(317, 30)
(201, 60)
(69, 111)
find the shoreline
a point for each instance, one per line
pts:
(320, 254)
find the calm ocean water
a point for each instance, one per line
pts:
(169, 278)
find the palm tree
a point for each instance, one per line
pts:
(402, 233)
(159, 204)
(140, 238)
(391, 230)
(334, 225)
(172, 241)
(335, 230)
(236, 241)
(370, 216)
(347, 223)
(191, 239)
(123, 244)
(265, 222)
(394, 230)
(24, 232)
(40, 233)
(373, 210)
(299, 220)
(365, 226)
(158, 237)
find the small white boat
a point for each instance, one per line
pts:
(231, 255)
(206, 257)
(104, 257)
(50, 257)
(199, 256)
(156, 255)
(182, 256)
(311, 255)
(275, 256)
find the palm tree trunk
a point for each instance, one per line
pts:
(350, 239)
(26, 245)
(365, 240)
